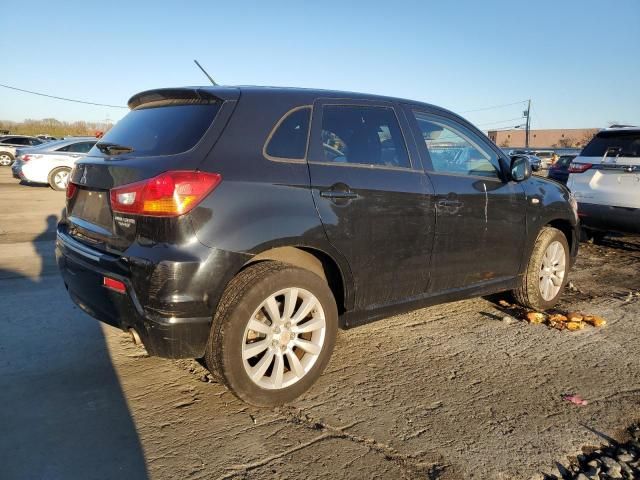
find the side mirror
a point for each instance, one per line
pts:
(520, 169)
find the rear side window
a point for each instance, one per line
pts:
(626, 144)
(80, 147)
(289, 140)
(363, 135)
(162, 130)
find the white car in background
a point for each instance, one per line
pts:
(9, 144)
(52, 164)
(605, 180)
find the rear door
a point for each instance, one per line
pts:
(373, 198)
(480, 218)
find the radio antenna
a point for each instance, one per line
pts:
(205, 72)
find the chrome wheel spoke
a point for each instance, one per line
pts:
(309, 326)
(271, 307)
(294, 363)
(307, 346)
(278, 371)
(262, 366)
(250, 350)
(259, 327)
(305, 308)
(290, 300)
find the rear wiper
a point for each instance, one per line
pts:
(113, 148)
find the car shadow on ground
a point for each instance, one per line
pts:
(24, 183)
(64, 414)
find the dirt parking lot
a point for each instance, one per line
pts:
(452, 391)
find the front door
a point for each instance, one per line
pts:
(373, 198)
(480, 216)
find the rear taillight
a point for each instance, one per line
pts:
(113, 284)
(169, 194)
(26, 158)
(71, 189)
(579, 167)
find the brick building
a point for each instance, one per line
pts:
(552, 138)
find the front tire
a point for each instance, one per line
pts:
(59, 178)
(273, 333)
(547, 271)
(6, 159)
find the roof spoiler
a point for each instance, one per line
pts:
(183, 96)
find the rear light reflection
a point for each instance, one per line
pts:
(579, 167)
(167, 195)
(115, 285)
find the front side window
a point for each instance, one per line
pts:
(362, 135)
(290, 137)
(454, 150)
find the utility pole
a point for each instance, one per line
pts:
(528, 126)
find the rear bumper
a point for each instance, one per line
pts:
(173, 332)
(608, 218)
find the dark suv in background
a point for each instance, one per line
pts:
(245, 225)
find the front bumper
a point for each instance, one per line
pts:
(608, 218)
(172, 331)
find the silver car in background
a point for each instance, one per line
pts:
(51, 163)
(9, 144)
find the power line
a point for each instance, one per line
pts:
(61, 98)
(494, 106)
(500, 121)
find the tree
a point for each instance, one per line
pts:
(586, 138)
(565, 142)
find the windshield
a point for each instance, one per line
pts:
(626, 144)
(159, 130)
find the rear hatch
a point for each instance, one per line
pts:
(607, 171)
(166, 130)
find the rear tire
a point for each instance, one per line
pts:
(59, 177)
(264, 345)
(547, 271)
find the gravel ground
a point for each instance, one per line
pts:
(450, 392)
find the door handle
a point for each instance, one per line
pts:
(338, 194)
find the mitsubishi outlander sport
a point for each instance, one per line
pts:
(245, 225)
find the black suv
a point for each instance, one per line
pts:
(245, 225)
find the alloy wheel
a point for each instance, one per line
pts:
(283, 338)
(552, 270)
(60, 179)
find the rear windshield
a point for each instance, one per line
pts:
(626, 144)
(161, 130)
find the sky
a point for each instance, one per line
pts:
(577, 60)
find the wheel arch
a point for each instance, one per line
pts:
(567, 229)
(314, 260)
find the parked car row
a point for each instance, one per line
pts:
(51, 163)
